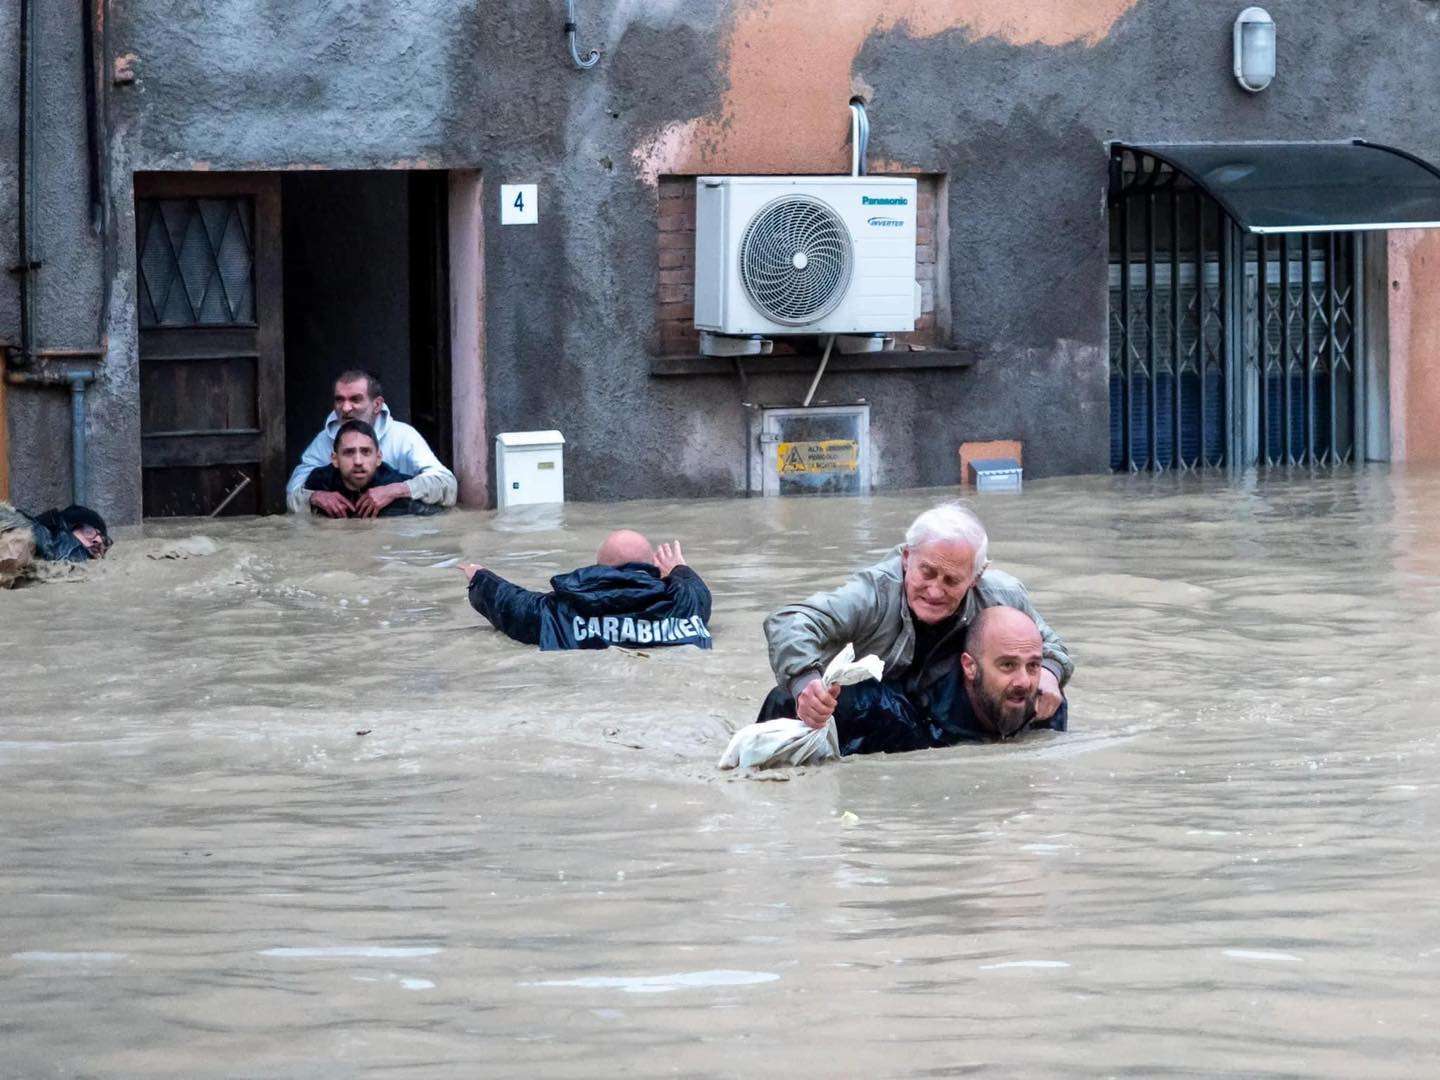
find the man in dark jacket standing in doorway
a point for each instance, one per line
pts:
(630, 596)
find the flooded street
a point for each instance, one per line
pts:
(527, 864)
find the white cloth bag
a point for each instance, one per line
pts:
(777, 743)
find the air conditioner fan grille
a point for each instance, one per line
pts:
(795, 260)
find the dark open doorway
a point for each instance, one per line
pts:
(255, 291)
(366, 286)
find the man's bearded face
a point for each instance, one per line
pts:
(353, 402)
(1005, 681)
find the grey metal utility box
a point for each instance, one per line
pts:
(996, 474)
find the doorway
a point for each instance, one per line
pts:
(366, 271)
(255, 290)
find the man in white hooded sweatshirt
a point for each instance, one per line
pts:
(358, 397)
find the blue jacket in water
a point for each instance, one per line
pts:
(889, 718)
(599, 606)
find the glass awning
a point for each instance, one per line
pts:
(1309, 187)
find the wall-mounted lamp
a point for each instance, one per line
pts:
(1254, 49)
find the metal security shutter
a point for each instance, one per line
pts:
(1226, 347)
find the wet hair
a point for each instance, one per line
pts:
(356, 425)
(372, 384)
(951, 522)
(72, 518)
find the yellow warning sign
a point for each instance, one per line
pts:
(828, 455)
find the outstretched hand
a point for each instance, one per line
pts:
(469, 569)
(668, 556)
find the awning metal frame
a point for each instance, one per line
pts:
(1296, 401)
(1166, 152)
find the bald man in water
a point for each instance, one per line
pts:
(632, 595)
(994, 695)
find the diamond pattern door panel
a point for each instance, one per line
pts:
(197, 262)
(208, 293)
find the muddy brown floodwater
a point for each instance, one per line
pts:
(529, 866)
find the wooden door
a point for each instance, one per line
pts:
(212, 364)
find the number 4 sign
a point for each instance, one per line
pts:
(519, 204)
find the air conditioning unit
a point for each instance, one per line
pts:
(805, 255)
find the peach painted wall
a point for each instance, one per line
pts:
(1414, 303)
(778, 65)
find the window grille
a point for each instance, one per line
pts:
(197, 262)
(1226, 347)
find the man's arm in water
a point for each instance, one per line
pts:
(429, 481)
(514, 611)
(330, 503)
(805, 636)
(316, 456)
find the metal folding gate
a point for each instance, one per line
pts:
(1227, 347)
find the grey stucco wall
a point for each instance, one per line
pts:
(1019, 128)
(70, 284)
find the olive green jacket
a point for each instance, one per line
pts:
(870, 611)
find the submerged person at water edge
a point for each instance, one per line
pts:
(630, 595)
(358, 397)
(73, 535)
(356, 471)
(912, 610)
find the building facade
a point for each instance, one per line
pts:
(222, 205)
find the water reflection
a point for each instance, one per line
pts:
(527, 865)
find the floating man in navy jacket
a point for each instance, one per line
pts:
(631, 596)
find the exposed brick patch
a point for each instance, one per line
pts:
(993, 448)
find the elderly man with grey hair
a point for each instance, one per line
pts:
(912, 610)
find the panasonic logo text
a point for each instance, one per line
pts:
(870, 200)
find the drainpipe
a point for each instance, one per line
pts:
(76, 379)
(18, 361)
(91, 20)
(4, 430)
(25, 183)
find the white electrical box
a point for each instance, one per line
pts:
(529, 468)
